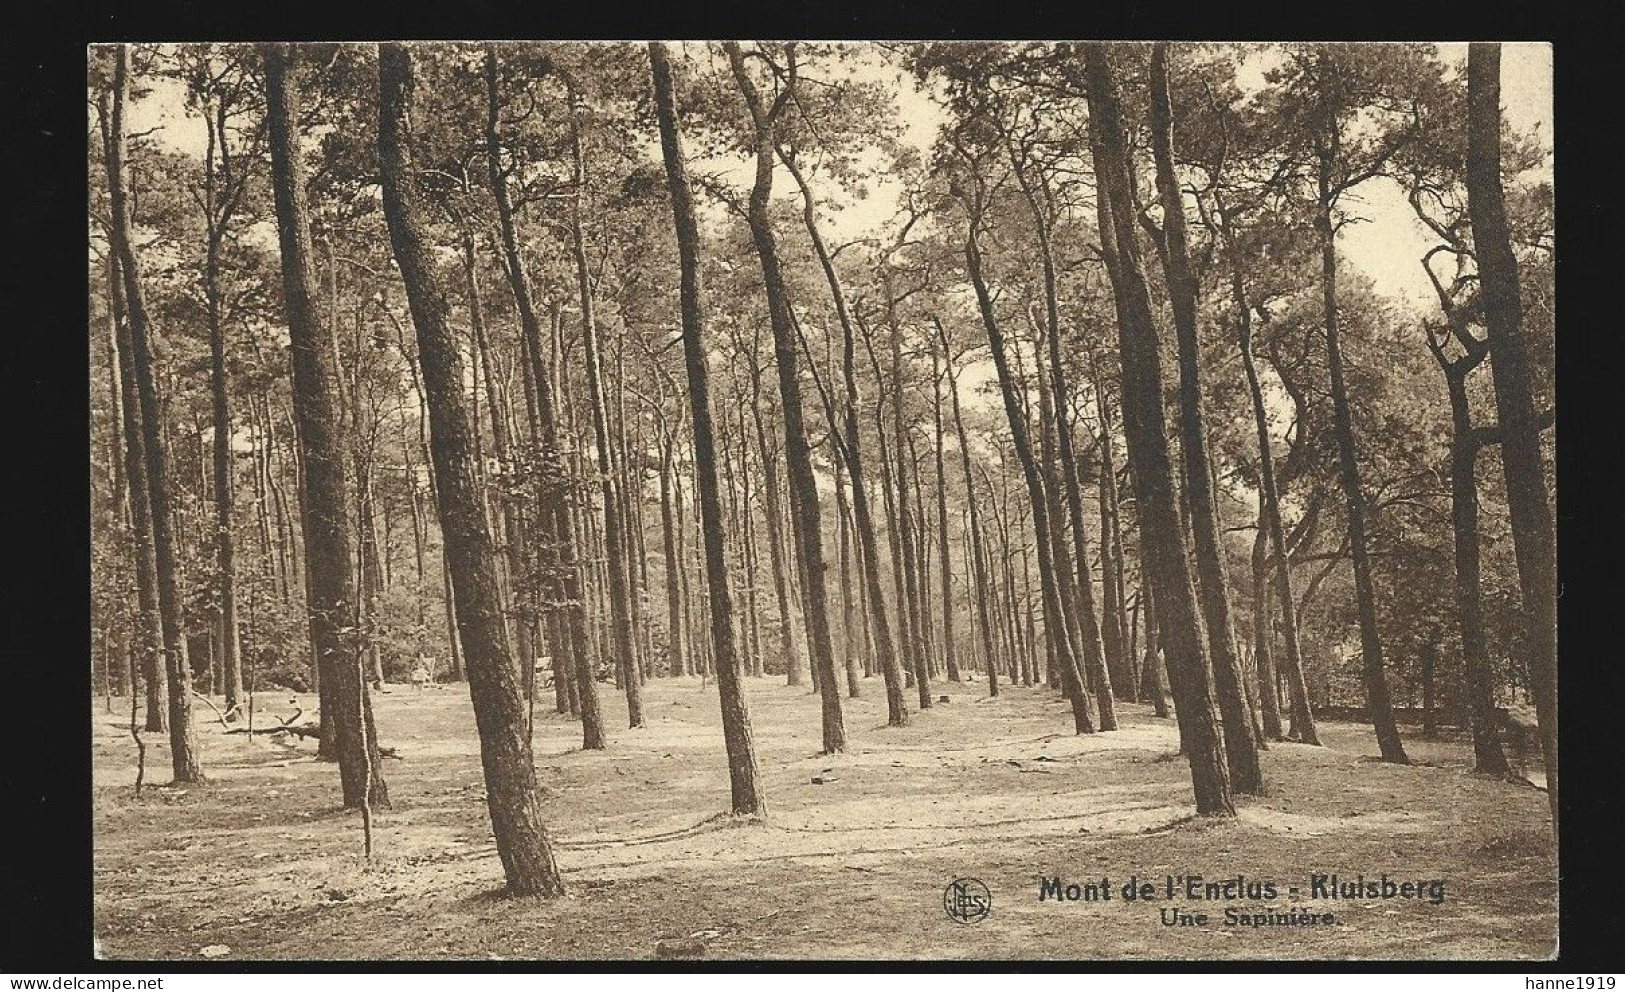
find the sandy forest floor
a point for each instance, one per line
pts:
(261, 864)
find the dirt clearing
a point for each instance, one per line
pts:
(263, 863)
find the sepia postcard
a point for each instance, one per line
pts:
(867, 501)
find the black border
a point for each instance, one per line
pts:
(45, 888)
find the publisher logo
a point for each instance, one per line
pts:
(967, 900)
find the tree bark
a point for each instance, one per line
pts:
(1378, 699)
(1162, 536)
(798, 457)
(1240, 743)
(1522, 460)
(329, 548)
(743, 773)
(166, 566)
(557, 519)
(512, 798)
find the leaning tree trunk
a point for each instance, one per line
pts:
(1522, 461)
(1302, 724)
(512, 797)
(743, 774)
(1240, 744)
(1075, 583)
(1054, 617)
(558, 522)
(1164, 559)
(329, 548)
(1378, 698)
(166, 566)
(797, 455)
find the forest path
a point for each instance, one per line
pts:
(262, 862)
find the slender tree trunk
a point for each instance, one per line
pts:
(908, 556)
(743, 774)
(1114, 632)
(868, 550)
(778, 555)
(1263, 649)
(615, 544)
(1151, 666)
(229, 659)
(1488, 756)
(1054, 618)
(668, 543)
(1522, 460)
(905, 638)
(798, 458)
(1240, 742)
(1078, 592)
(557, 520)
(1303, 718)
(978, 564)
(149, 630)
(1378, 699)
(849, 634)
(166, 566)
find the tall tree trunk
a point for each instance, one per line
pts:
(512, 798)
(1302, 725)
(166, 566)
(329, 548)
(743, 774)
(778, 554)
(668, 542)
(149, 630)
(851, 456)
(557, 519)
(978, 564)
(1114, 626)
(1378, 700)
(615, 544)
(1054, 617)
(798, 457)
(1240, 743)
(905, 637)
(1078, 591)
(1522, 460)
(227, 636)
(1162, 535)
(908, 558)
(849, 632)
